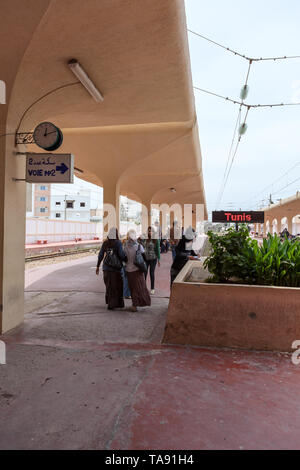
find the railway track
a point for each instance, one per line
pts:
(44, 256)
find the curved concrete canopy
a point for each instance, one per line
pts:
(140, 63)
(142, 140)
(135, 51)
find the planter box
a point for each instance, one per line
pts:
(231, 316)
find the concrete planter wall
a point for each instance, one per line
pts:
(232, 316)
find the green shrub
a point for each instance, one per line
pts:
(237, 257)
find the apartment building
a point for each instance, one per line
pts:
(70, 207)
(42, 200)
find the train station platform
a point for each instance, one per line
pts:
(81, 377)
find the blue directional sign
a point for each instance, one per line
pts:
(49, 168)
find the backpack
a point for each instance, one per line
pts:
(112, 260)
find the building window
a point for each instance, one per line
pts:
(57, 203)
(43, 188)
(58, 215)
(70, 204)
(82, 204)
(42, 209)
(43, 199)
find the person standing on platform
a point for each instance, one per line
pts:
(183, 253)
(173, 241)
(152, 255)
(136, 279)
(126, 290)
(114, 256)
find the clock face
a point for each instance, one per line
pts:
(47, 135)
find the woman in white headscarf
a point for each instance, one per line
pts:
(183, 252)
(114, 256)
(136, 279)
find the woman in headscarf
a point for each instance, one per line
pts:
(126, 290)
(152, 254)
(136, 279)
(112, 269)
(183, 252)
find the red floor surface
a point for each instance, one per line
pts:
(80, 377)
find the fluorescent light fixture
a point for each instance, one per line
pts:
(83, 77)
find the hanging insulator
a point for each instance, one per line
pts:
(243, 129)
(244, 92)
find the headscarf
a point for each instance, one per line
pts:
(112, 236)
(132, 238)
(190, 234)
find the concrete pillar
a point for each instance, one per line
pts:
(148, 205)
(111, 198)
(12, 235)
(194, 218)
(3, 113)
(172, 218)
(13, 194)
(187, 210)
(290, 224)
(146, 216)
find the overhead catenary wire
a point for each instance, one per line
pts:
(240, 103)
(237, 126)
(259, 206)
(286, 186)
(246, 105)
(233, 158)
(229, 155)
(243, 56)
(270, 186)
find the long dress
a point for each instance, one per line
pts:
(136, 279)
(114, 289)
(112, 277)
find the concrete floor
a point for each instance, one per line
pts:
(80, 377)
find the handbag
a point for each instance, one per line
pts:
(112, 260)
(139, 261)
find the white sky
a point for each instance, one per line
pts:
(271, 145)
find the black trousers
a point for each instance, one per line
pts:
(152, 265)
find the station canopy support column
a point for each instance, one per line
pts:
(111, 206)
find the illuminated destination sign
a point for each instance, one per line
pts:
(243, 217)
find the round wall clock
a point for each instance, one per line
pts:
(48, 136)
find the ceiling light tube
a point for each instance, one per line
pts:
(82, 76)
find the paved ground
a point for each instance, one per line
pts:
(78, 377)
(79, 276)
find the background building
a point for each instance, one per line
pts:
(71, 207)
(42, 200)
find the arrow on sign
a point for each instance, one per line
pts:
(62, 168)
